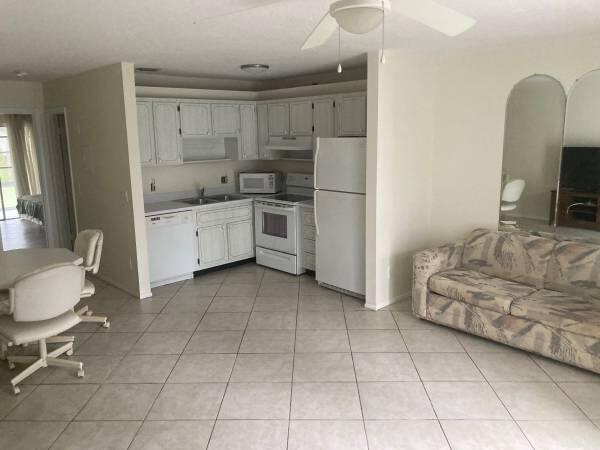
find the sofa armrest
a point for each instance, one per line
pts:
(429, 262)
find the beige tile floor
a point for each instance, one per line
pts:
(248, 358)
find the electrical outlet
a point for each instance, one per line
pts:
(224, 179)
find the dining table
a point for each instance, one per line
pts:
(14, 263)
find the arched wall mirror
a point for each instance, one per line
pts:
(533, 140)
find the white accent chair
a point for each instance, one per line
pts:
(88, 245)
(511, 194)
(41, 307)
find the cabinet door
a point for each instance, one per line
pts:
(195, 119)
(301, 118)
(212, 245)
(146, 133)
(324, 118)
(225, 119)
(352, 111)
(248, 132)
(279, 119)
(262, 113)
(166, 133)
(240, 239)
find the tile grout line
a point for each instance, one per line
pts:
(293, 368)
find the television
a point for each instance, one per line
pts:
(580, 169)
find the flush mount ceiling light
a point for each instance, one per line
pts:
(254, 68)
(20, 73)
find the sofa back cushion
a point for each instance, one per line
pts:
(514, 256)
(575, 269)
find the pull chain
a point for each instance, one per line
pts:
(339, 68)
(383, 33)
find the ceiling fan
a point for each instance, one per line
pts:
(362, 16)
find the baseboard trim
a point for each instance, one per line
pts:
(389, 302)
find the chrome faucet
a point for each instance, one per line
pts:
(201, 191)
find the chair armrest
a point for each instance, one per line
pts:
(7, 297)
(429, 262)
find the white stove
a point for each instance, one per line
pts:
(278, 225)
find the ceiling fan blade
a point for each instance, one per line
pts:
(322, 32)
(436, 16)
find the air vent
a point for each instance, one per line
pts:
(147, 69)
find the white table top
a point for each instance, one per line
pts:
(14, 263)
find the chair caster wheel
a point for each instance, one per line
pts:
(88, 313)
(106, 324)
(11, 366)
(16, 390)
(69, 353)
(80, 373)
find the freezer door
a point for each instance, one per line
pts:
(341, 164)
(340, 224)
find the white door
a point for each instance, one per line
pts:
(279, 119)
(340, 243)
(240, 240)
(352, 111)
(324, 118)
(341, 164)
(146, 133)
(262, 113)
(212, 245)
(301, 118)
(248, 131)
(195, 119)
(225, 119)
(166, 133)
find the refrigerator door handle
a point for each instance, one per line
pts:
(316, 164)
(316, 213)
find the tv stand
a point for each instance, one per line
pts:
(578, 210)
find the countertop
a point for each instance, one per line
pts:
(173, 206)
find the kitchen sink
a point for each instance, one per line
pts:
(225, 197)
(199, 201)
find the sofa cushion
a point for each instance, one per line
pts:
(575, 269)
(514, 256)
(477, 288)
(561, 311)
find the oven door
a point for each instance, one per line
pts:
(276, 227)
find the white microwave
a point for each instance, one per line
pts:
(260, 183)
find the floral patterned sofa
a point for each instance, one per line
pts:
(523, 290)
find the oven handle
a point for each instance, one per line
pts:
(315, 213)
(279, 209)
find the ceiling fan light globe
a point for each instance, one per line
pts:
(359, 20)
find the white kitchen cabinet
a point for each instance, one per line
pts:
(166, 133)
(352, 115)
(225, 119)
(248, 146)
(195, 119)
(262, 113)
(146, 133)
(279, 119)
(324, 117)
(301, 118)
(212, 245)
(240, 239)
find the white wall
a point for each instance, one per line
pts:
(533, 141)
(102, 128)
(448, 108)
(398, 170)
(21, 95)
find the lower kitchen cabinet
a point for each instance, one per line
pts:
(224, 235)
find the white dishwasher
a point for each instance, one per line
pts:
(171, 250)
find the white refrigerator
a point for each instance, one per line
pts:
(340, 203)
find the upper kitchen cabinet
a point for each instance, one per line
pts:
(279, 119)
(324, 117)
(352, 115)
(195, 119)
(166, 132)
(301, 118)
(146, 133)
(225, 119)
(262, 113)
(248, 146)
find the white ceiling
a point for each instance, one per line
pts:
(49, 39)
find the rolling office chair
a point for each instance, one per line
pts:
(511, 194)
(88, 245)
(41, 307)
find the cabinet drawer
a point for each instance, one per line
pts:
(309, 232)
(308, 246)
(276, 260)
(219, 215)
(308, 260)
(308, 218)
